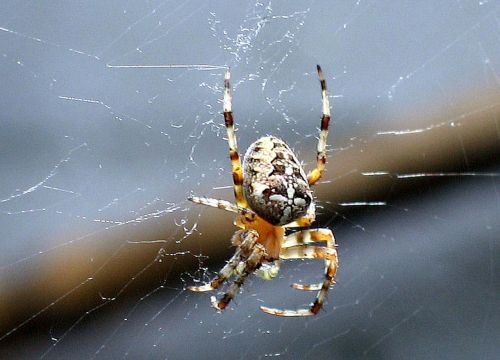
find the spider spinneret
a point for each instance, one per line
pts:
(272, 195)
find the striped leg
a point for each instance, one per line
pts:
(224, 205)
(315, 175)
(252, 262)
(308, 252)
(224, 274)
(310, 236)
(307, 237)
(296, 247)
(233, 147)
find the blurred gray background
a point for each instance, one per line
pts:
(99, 150)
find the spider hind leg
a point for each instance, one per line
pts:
(297, 246)
(257, 253)
(225, 273)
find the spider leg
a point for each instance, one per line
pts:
(310, 236)
(246, 215)
(233, 147)
(297, 247)
(224, 205)
(307, 237)
(224, 274)
(308, 252)
(315, 174)
(257, 253)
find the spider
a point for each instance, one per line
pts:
(272, 195)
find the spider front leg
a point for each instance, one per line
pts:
(233, 147)
(252, 254)
(316, 174)
(245, 213)
(296, 246)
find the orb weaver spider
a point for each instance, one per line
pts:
(272, 195)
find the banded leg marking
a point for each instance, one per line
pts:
(308, 252)
(237, 170)
(224, 205)
(307, 237)
(300, 242)
(252, 262)
(224, 274)
(316, 173)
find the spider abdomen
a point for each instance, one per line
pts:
(275, 185)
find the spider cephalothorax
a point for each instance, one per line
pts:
(273, 194)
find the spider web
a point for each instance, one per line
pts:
(111, 118)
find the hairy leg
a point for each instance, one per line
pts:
(307, 237)
(237, 170)
(252, 262)
(316, 173)
(224, 205)
(224, 274)
(297, 246)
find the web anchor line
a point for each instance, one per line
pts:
(202, 67)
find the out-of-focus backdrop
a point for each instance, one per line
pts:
(110, 117)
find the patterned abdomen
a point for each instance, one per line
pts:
(275, 184)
